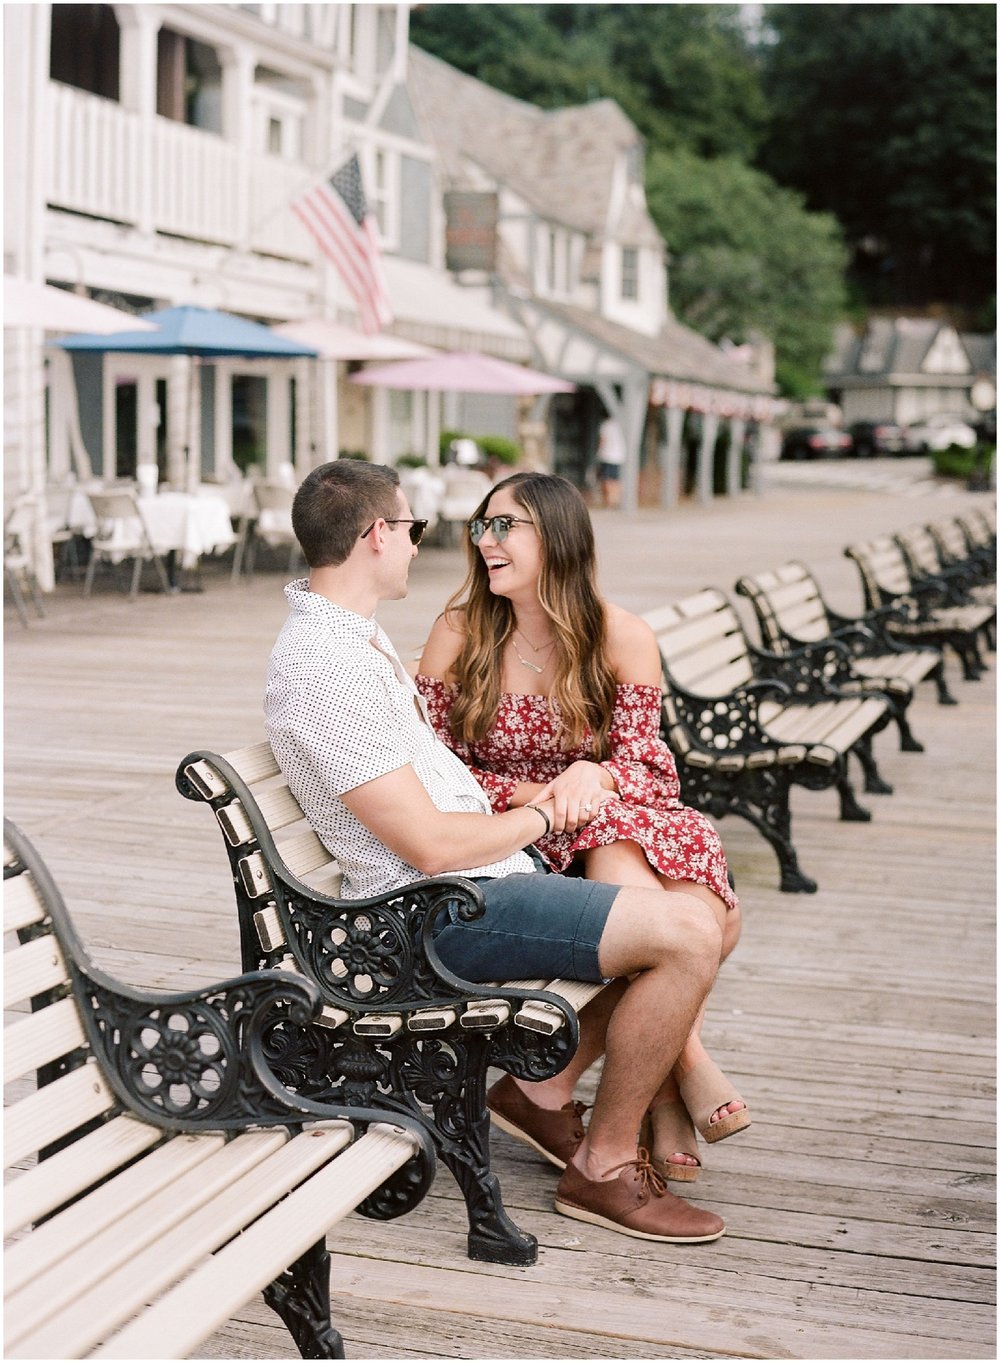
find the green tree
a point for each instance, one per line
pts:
(886, 116)
(682, 73)
(747, 257)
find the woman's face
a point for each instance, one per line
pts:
(513, 564)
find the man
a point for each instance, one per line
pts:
(392, 803)
(610, 458)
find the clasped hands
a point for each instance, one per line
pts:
(575, 795)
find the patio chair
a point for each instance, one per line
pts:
(19, 574)
(62, 535)
(464, 489)
(269, 522)
(122, 534)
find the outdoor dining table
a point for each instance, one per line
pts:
(182, 526)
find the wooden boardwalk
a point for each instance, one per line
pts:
(858, 1022)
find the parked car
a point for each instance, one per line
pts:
(813, 442)
(938, 432)
(877, 437)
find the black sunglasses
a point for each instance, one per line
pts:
(417, 528)
(500, 525)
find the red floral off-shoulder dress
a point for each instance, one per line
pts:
(522, 746)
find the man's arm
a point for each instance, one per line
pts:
(400, 813)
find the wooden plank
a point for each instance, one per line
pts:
(859, 1022)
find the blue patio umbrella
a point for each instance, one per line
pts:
(202, 333)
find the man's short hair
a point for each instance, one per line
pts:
(336, 502)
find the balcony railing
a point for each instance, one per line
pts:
(163, 176)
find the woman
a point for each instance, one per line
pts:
(547, 691)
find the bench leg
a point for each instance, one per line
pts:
(850, 810)
(875, 783)
(493, 1236)
(301, 1297)
(940, 681)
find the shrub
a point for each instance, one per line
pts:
(500, 448)
(355, 454)
(958, 462)
(411, 461)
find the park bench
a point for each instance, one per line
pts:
(396, 1028)
(792, 613)
(955, 548)
(980, 528)
(745, 725)
(922, 552)
(159, 1174)
(924, 614)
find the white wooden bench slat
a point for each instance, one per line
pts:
(698, 671)
(55, 1110)
(104, 1207)
(689, 635)
(39, 1038)
(804, 620)
(21, 904)
(39, 1190)
(303, 853)
(255, 763)
(107, 1302)
(279, 807)
(718, 682)
(185, 1316)
(132, 1227)
(910, 666)
(32, 969)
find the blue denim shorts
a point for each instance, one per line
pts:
(536, 923)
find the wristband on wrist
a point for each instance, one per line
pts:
(539, 810)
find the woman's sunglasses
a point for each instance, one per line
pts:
(417, 528)
(500, 525)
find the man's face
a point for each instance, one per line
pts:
(400, 552)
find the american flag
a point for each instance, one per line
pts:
(336, 213)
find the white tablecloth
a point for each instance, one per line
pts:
(190, 524)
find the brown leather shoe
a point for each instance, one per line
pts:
(635, 1203)
(553, 1133)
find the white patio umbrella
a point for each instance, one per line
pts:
(333, 341)
(27, 304)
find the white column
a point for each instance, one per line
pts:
(178, 422)
(278, 423)
(223, 417)
(237, 127)
(146, 412)
(305, 378)
(706, 456)
(670, 457)
(138, 26)
(734, 463)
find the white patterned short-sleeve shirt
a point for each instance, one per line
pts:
(339, 713)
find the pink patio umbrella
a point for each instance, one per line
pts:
(334, 341)
(463, 372)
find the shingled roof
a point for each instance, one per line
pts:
(561, 161)
(677, 352)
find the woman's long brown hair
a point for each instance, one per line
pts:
(584, 685)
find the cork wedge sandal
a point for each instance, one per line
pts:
(704, 1089)
(677, 1136)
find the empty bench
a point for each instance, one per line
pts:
(160, 1175)
(924, 611)
(745, 725)
(396, 1026)
(791, 613)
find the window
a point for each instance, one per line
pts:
(188, 81)
(84, 48)
(630, 272)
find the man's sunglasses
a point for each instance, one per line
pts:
(500, 525)
(417, 528)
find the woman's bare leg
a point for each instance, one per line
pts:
(625, 863)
